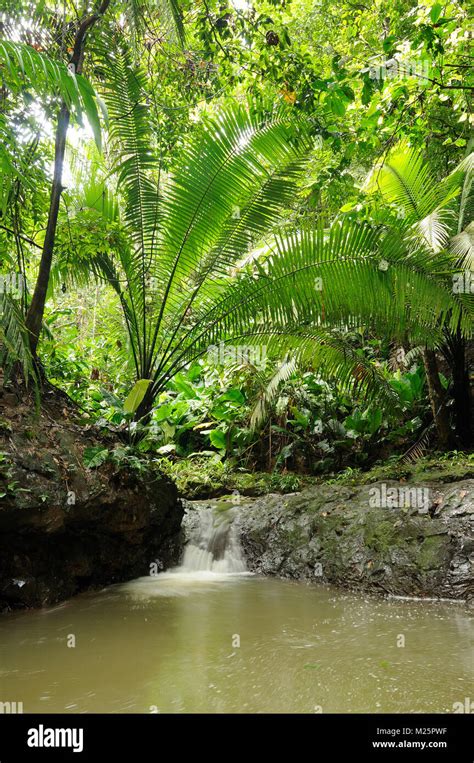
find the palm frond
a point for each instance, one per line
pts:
(427, 208)
(14, 344)
(418, 449)
(269, 393)
(462, 246)
(24, 67)
(187, 282)
(167, 12)
(405, 180)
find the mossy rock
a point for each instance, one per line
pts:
(402, 551)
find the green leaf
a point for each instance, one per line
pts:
(90, 108)
(375, 420)
(217, 438)
(136, 395)
(95, 456)
(233, 395)
(165, 449)
(184, 387)
(336, 104)
(163, 412)
(435, 12)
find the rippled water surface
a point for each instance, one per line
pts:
(170, 644)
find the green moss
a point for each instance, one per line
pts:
(224, 505)
(208, 477)
(447, 467)
(294, 537)
(379, 535)
(5, 426)
(432, 552)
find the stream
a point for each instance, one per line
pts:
(210, 637)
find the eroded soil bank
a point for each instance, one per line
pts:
(65, 527)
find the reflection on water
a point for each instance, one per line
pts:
(169, 644)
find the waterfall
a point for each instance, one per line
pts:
(212, 556)
(213, 543)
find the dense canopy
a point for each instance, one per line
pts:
(243, 229)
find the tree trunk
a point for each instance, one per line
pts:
(143, 412)
(455, 354)
(34, 318)
(437, 399)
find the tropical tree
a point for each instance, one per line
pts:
(205, 253)
(27, 68)
(188, 275)
(23, 68)
(438, 216)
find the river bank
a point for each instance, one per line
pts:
(66, 525)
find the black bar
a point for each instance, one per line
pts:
(154, 737)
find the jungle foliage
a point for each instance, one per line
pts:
(242, 231)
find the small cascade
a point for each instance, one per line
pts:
(212, 556)
(213, 543)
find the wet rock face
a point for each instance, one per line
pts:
(50, 551)
(65, 528)
(377, 537)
